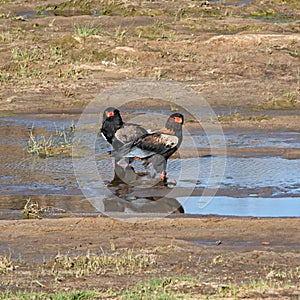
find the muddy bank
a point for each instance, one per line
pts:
(217, 251)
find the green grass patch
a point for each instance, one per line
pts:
(279, 281)
(57, 144)
(32, 63)
(86, 30)
(6, 36)
(72, 295)
(56, 56)
(24, 62)
(161, 288)
(27, 55)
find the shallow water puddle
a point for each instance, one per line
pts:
(278, 176)
(253, 186)
(233, 2)
(246, 207)
(256, 139)
(31, 15)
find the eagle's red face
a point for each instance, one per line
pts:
(178, 120)
(110, 114)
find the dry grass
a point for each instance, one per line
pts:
(122, 262)
(57, 144)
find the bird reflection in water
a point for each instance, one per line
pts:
(127, 183)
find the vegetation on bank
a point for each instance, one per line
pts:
(103, 274)
(168, 288)
(38, 49)
(58, 143)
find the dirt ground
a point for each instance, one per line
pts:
(243, 59)
(218, 252)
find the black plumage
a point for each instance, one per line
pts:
(118, 133)
(156, 147)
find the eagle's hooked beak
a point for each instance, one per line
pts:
(110, 114)
(178, 120)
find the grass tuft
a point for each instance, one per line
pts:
(86, 30)
(57, 144)
(31, 210)
(6, 264)
(123, 262)
(287, 100)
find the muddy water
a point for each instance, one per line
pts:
(253, 186)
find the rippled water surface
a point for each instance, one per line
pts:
(269, 176)
(252, 186)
